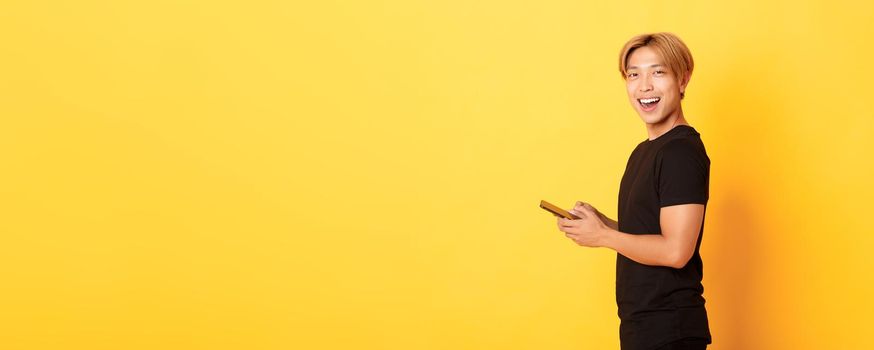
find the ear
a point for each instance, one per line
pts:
(684, 81)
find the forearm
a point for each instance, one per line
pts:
(648, 249)
(613, 224)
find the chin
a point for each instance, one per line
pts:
(655, 121)
(652, 118)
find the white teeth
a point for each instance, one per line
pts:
(649, 100)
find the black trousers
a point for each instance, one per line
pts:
(686, 344)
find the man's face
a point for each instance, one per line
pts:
(653, 89)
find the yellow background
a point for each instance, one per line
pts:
(365, 175)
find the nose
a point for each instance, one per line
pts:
(645, 83)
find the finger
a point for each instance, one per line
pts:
(567, 223)
(569, 229)
(585, 208)
(577, 213)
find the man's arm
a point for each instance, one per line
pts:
(680, 225)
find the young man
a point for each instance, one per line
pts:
(662, 200)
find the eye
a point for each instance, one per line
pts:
(659, 72)
(631, 75)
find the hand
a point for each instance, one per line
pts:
(588, 230)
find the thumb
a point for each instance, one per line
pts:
(584, 208)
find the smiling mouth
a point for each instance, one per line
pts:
(649, 103)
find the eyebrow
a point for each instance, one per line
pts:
(651, 66)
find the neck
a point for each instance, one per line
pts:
(658, 129)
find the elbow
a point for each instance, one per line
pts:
(678, 260)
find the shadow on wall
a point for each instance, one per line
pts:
(736, 242)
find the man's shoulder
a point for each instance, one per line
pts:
(681, 143)
(685, 143)
(683, 149)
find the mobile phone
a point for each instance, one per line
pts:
(557, 211)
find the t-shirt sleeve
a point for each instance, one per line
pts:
(683, 173)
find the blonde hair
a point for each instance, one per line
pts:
(677, 56)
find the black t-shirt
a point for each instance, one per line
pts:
(660, 304)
